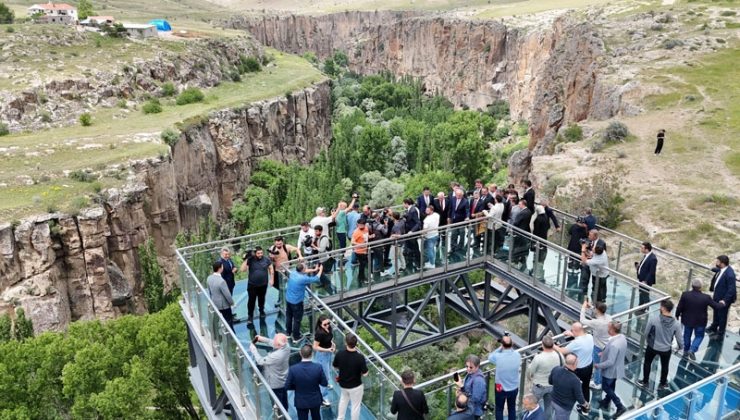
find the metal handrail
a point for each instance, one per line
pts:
(368, 350)
(238, 343)
(655, 248)
(530, 347)
(267, 233)
(696, 385)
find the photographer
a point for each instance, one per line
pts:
(280, 254)
(305, 239)
(395, 255)
(295, 293)
(594, 263)
(321, 245)
(378, 230)
(474, 386)
(342, 222)
(507, 361)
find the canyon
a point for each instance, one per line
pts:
(61, 268)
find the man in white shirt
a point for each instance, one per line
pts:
(600, 329)
(538, 373)
(583, 347)
(322, 219)
(303, 235)
(494, 213)
(597, 263)
(431, 237)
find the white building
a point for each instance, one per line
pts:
(54, 13)
(136, 30)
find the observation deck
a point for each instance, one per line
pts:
(471, 285)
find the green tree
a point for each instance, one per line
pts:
(151, 275)
(85, 9)
(6, 327)
(6, 15)
(128, 396)
(331, 68)
(23, 328)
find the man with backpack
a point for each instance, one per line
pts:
(321, 245)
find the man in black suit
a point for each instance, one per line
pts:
(305, 378)
(692, 312)
(423, 201)
(646, 270)
(725, 292)
(528, 195)
(532, 410)
(521, 240)
(459, 212)
(412, 224)
(442, 207)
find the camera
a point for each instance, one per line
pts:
(355, 195)
(248, 254)
(585, 241)
(308, 241)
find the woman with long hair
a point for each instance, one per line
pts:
(324, 348)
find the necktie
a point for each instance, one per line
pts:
(714, 281)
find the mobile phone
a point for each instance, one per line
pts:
(456, 377)
(255, 339)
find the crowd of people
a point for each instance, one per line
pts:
(561, 377)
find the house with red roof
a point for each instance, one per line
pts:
(54, 13)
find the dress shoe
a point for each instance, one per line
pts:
(604, 405)
(662, 387)
(642, 384)
(737, 346)
(619, 412)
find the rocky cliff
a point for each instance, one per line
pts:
(202, 63)
(549, 76)
(62, 268)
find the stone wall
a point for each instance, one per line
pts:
(62, 268)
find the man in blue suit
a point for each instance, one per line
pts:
(424, 201)
(723, 285)
(459, 212)
(646, 270)
(305, 378)
(532, 410)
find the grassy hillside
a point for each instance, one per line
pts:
(33, 166)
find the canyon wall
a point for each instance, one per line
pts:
(61, 268)
(549, 76)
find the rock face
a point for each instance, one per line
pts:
(63, 268)
(549, 76)
(202, 63)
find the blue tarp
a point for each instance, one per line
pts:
(161, 24)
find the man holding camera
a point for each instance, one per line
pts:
(507, 361)
(594, 264)
(320, 245)
(260, 273)
(474, 386)
(280, 254)
(295, 293)
(274, 364)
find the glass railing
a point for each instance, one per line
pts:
(624, 252)
(242, 376)
(381, 380)
(713, 397)
(560, 273)
(441, 391)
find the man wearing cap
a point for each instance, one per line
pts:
(692, 312)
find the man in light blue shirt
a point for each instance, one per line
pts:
(583, 347)
(507, 361)
(352, 217)
(295, 293)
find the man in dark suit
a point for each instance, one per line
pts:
(424, 200)
(521, 240)
(229, 269)
(528, 195)
(646, 270)
(725, 292)
(532, 410)
(412, 224)
(692, 312)
(459, 212)
(442, 207)
(306, 379)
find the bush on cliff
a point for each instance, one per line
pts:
(190, 95)
(152, 107)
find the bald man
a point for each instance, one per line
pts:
(566, 389)
(274, 364)
(582, 347)
(507, 361)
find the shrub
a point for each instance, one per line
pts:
(6, 15)
(600, 193)
(45, 116)
(728, 13)
(235, 76)
(9, 29)
(152, 107)
(573, 133)
(597, 146)
(97, 187)
(4, 130)
(170, 137)
(670, 44)
(190, 96)
(615, 132)
(499, 109)
(168, 89)
(249, 65)
(122, 104)
(81, 176)
(310, 56)
(86, 119)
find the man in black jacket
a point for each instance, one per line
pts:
(409, 403)
(412, 224)
(566, 389)
(725, 292)
(528, 195)
(692, 312)
(646, 270)
(459, 212)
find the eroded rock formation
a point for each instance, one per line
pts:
(548, 75)
(62, 268)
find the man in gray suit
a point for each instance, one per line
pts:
(612, 367)
(220, 295)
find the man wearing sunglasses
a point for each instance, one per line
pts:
(474, 386)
